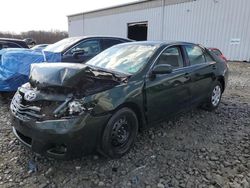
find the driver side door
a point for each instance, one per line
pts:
(167, 93)
(83, 51)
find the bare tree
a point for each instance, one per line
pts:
(41, 37)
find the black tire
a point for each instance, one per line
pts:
(213, 102)
(115, 144)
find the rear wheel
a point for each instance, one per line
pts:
(120, 133)
(214, 98)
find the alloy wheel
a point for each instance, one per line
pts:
(216, 95)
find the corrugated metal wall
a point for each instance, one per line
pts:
(108, 25)
(75, 25)
(214, 23)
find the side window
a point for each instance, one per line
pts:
(217, 52)
(171, 56)
(110, 42)
(195, 55)
(208, 57)
(13, 45)
(90, 47)
(5, 45)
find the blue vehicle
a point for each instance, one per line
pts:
(15, 63)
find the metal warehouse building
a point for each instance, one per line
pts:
(224, 24)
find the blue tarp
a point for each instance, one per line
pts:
(15, 65)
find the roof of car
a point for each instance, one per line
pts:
(17, 41)
(212, 48)
(98, 36)
(161, 43)
(11, 39)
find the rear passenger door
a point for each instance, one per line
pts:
(201, 70)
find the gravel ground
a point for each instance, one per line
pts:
(198, 149)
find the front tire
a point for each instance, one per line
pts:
(214, 98)
(120, 133)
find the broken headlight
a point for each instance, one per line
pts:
(75, 107)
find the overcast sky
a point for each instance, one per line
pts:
(24, 15)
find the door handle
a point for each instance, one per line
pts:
(213, 67)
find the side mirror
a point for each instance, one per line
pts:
(162, 69)
(78, 53)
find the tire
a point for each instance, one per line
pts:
(119, 134)
(214, 98)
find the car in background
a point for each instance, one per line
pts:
(12, 43)
(81, 49)
(73, 109)
(217, 52)
(30, 42)
(39, 46)
(15, 64)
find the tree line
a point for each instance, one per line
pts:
(41, 37)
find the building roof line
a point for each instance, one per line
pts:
(111, 7)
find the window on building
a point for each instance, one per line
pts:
(138, 31)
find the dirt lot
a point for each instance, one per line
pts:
(198, 149)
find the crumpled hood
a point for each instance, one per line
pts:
(71, 76)
(56, 74)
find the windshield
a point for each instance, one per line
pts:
(128, 59)
(61, 45)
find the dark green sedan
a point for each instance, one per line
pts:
(67, 110)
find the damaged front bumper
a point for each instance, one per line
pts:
(61, 139)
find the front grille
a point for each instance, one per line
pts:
(35, 110)
(24, 112)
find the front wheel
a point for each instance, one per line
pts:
(214, 98)
(120, 133)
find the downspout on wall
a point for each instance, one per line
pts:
(162, 18)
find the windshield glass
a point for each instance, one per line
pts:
(61, 45)
(128, 59)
